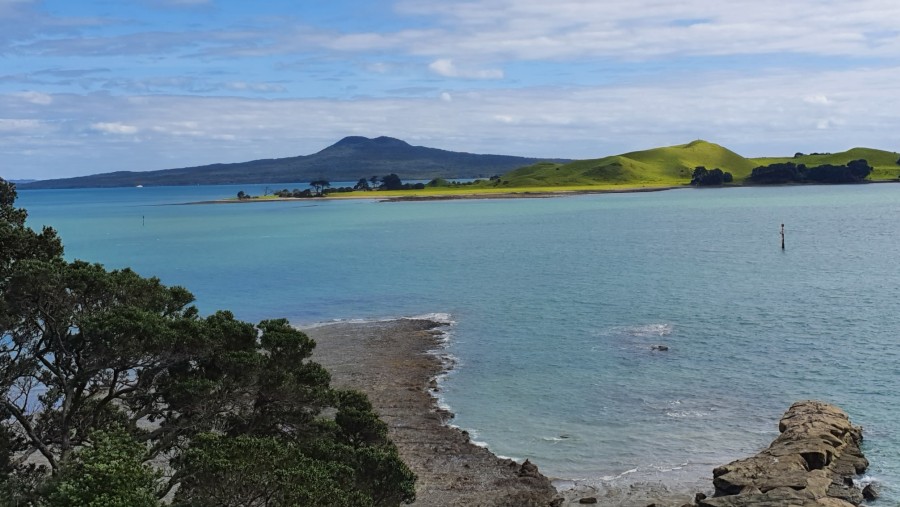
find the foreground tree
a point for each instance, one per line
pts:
(109, 472)
(97, 363)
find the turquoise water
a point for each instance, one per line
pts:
(557, 303)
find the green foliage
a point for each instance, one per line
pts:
(319, 186)
(883, 163)
(109, 472)
(262, 471)
(854, 171)
(703, 177)
(391, 182)
(87, 353)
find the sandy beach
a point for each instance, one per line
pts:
(396, 363)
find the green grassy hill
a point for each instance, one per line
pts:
(884, 162)
(671, 165)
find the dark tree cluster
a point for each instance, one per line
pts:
(295, 193)
(105, 375)
(703, 177)
(393, 182)
(789, 172)
(441, 182)
(337, 190)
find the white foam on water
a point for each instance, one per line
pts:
(610, 478)
(441, 318)
(687, 414)
(650, 330)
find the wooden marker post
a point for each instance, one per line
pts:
(782, 236)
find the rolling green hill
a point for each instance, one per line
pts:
(672, 165)
(884, 162)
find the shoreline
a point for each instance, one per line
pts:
(398, 363)
(522, 193)
(518, 193)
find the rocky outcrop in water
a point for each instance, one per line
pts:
(812, 463)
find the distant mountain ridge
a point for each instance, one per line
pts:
(349, 159)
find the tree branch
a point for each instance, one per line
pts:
(22, 419)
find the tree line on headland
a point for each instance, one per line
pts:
(321, 187)
(115, 391)
(854, 171)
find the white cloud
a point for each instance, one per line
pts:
(763, 115)
(114, 128)
(37, 98)
(625, 29)
(445, 67)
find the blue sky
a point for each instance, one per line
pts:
(94, 86)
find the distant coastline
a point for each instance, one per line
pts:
(397, 196)
(510, 193)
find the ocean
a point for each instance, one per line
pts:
(556, 304)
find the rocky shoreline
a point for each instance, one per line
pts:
(812, 462)
(396, 363)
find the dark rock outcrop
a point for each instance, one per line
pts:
(870, 493)
(812, 463)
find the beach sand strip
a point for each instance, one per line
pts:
(394, 363)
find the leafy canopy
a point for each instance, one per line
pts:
(100, 366)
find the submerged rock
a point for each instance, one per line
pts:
(812, 462)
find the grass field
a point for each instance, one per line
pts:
(672, 165)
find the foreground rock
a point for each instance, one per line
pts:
(812, 463)
(391, 362)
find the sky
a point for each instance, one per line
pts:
(94, 86)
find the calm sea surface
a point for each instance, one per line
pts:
(557, 303)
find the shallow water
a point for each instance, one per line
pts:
(557, 303)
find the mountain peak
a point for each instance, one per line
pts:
(361, 142)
